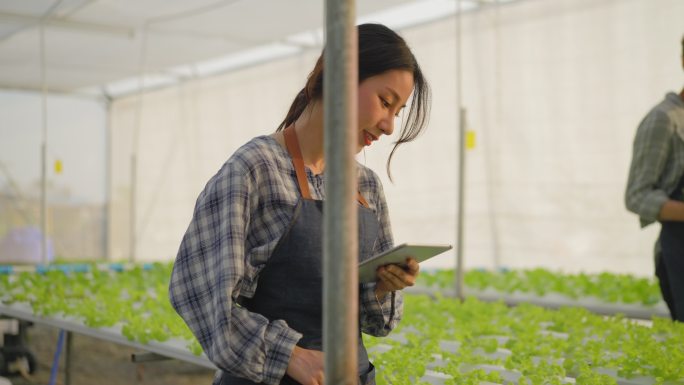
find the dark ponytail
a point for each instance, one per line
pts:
(313, 90)
(298, 105)
(380, 50)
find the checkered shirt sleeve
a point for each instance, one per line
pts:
(657, 159)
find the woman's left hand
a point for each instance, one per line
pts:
(395, 277)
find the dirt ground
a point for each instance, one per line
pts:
(98, 362)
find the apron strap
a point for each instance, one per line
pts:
(361, 199)
(296, 154)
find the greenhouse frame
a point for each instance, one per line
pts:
(115, 115)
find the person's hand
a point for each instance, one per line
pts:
(394, 277)
(306, 366)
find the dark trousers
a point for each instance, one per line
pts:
(670, 267)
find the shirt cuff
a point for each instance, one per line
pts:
(652, 204)
(379, 315)
(281, 341)
(371, 303)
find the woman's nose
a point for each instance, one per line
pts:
(387, 125)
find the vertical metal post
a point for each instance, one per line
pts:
(67, 357)
(488, 148)
(461, 198)
(43, 151)
(340, 242)
(132, 212)
(134, 147)
(458, 276)
(106, 218)
(43, 203)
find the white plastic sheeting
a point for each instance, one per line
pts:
(76, 176)
(554, 92)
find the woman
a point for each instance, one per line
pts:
(248, 276)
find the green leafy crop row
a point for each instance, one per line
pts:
(544, 346)
(135, 299)
(608, 287)
(539, 345)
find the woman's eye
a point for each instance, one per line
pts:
(384, 103)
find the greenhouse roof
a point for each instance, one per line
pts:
(103, 47)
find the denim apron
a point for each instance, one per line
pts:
(290, 286)
(670, 266)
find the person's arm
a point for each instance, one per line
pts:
(206, 278)
(672, 211)
(306, 366)
(381, 313)
(649, 157)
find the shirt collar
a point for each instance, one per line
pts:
(675, 98)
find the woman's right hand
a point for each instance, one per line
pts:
(306, 366)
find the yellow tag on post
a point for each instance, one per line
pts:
(470, 140)
(58, 166)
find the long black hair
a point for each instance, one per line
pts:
(380, 50)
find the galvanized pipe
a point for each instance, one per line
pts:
(43, 152)
(458, 277)
(461, 198)
(340, 243)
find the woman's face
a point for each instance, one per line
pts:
(381, 98)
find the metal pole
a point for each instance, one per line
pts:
(67, 357)
(106, 218)
(488, 148)
(458, 276)
(461, 192)
(134, 147)
(132, 222)
(43, 151)
(340, 242)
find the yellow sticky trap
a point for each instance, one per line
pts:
(470, 140)
(58, 166)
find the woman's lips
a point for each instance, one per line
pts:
(369, 138)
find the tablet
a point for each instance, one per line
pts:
(397, 255)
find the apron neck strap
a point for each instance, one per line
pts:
(292, 145)
(361, 199)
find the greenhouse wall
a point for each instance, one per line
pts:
(554, 92)
(76, 176)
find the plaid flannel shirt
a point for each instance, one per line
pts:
(238, 219)
(657, 159)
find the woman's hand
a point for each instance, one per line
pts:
(394, 277)
(306, 366)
